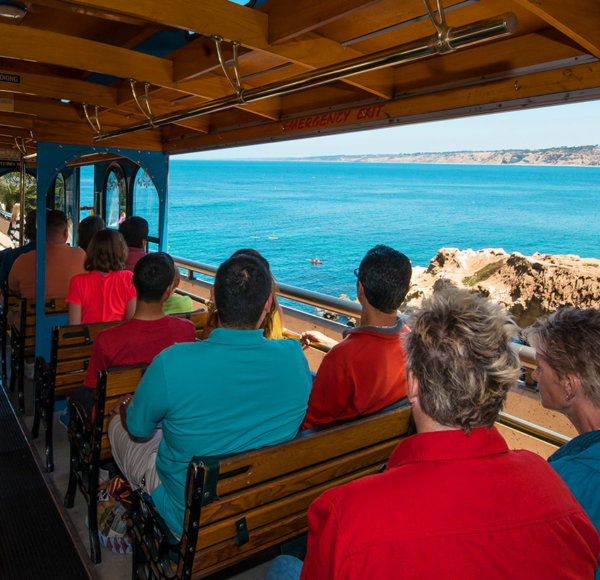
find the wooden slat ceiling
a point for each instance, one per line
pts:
(66, 53)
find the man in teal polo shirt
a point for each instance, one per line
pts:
(233, 392)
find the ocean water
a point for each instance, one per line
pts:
(293, 211)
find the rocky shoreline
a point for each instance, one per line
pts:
(529, 286)
(585, 155)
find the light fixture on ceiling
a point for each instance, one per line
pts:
(12, 10)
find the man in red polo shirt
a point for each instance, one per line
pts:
(367, 370)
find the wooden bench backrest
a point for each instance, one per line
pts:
(113, 383)
(199, 319)
(271, 488)
(71, 351)
(54, 306)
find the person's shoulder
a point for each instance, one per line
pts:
(178, 322)
(26, 258)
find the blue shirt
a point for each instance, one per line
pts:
(578, 464)
(233, 392)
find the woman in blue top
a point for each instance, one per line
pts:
(567, 352)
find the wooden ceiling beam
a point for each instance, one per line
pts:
(578, 20)
(55, 87)
(307, 15)
(209, 17)
(250, 28)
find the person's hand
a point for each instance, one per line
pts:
(123, 402)
(311, 336)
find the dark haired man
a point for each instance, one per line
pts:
(367, 370)
(135, 232)
(232, 392)
(150, 331)
(62, 261)
(86, 229)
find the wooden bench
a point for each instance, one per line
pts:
(22, 341)
(70, 353)
(243, 504)
(69, 358)
(89, 444)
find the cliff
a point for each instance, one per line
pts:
(583, 155)
(529, 286)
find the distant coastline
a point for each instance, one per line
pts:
(585, 155)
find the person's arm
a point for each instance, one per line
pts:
(324, 557)
(316, 336)
(130, 309)
(74, 313)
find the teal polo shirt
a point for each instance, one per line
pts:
(233, 392)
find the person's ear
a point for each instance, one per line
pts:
(572, 386)
(268, 303)
(412, 387)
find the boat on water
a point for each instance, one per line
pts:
(115, 89)
(315, 261)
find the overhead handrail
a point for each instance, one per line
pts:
(93, 119)
(455, 39)
(143, 100)
(236, 83)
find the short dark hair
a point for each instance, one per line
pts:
(385, 276)
(152, 275)
(30, 225)
(242, 286)
(107, 252)
(86, 229)
(135, 231)
(56, 222)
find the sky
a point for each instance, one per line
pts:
(556, 126)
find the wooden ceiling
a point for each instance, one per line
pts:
(64, 53)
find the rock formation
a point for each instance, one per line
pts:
(529, 286)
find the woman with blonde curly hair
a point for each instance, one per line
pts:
(105, 291)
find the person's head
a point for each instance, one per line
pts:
(135, 231)
(30, 225)
(153, 277)
(15, 212)
(57, 227)
(241, 291)
(460, 358)
(86, 229)
(107, 252)
(384, 275)
(567, 352)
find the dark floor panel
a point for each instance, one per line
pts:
(34, 542)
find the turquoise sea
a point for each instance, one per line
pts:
(293, 211)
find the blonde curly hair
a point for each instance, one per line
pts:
(459, 352)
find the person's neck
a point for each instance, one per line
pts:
(372, 317)
(585, 417)
(148, 310)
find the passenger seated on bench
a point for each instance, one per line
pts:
(567, 351)
(178, 303)
(139, 340)
(86, 229)
(454, 502)
(105, 291)
(9, 256)
(272, 325)
(232, 392)
(62, 261)
(135, 232)
(367, 370)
